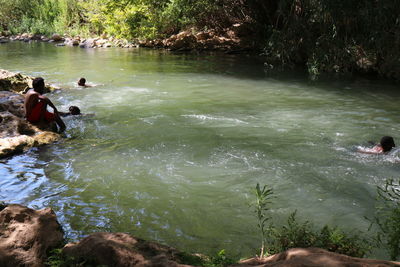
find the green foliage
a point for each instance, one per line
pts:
(321, 35)
(186, 258)
(302, 234)
(388, 217)
(333, 36)
(219, 260)
(262, 206)
(56, 259)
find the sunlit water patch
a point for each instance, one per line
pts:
(170, 146)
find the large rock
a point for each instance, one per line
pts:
(121, 250)
(72, 41)
(26, 235)
(183, 40)
(17, 82)
(88, 43)
(16, 134)
(57, 38)
(313, 257)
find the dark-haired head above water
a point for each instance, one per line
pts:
(82, 82)
(387, 143)
(74, 110)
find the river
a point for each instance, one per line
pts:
(176, 144)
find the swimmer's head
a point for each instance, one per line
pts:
(74, 110)
(387, 143)
(82, 82)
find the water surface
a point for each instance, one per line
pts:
(178, 142)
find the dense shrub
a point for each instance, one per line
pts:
(388, 217)
(305, 234)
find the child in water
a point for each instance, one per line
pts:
(385, 145)
(82, 82)
(73, 110)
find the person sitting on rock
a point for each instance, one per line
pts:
(36, 106)
(82, 82)
(73, 110)
(385, 145)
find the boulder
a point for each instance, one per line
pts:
(4, 40)
(17, 82)
(71, 42)
(121, 250)
(37, 37)
(57, 38)
(26, 235)
(45, 39)
(313, 257)
(201, 36)
(100, 42)
(89, 43)
(184, 40)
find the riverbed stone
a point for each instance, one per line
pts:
(17, 82)
(106, 45)
(4, 40)
(121, 250)
(88, 43)
(56, 38)
(26, 235)
(313, 257)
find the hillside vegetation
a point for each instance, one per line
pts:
(321, 35)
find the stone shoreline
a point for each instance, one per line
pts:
(230, 40)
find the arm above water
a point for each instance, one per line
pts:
(375, 150)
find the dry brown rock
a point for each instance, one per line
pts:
(184, 40)
(17, 82)
(201, 36)
(313, 257)
(57, 38)
(121, 250)
(26, 235)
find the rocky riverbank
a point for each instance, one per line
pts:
(28, 237)
(16, 134)
(230, 40)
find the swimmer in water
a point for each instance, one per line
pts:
(82, 82)
(73, 110)
(385, 145)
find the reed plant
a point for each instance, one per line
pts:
(263, 200)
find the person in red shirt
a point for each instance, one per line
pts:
(36, 106)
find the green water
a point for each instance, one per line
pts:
(178, 142)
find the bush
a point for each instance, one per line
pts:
(302, 234)
(388, 217)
